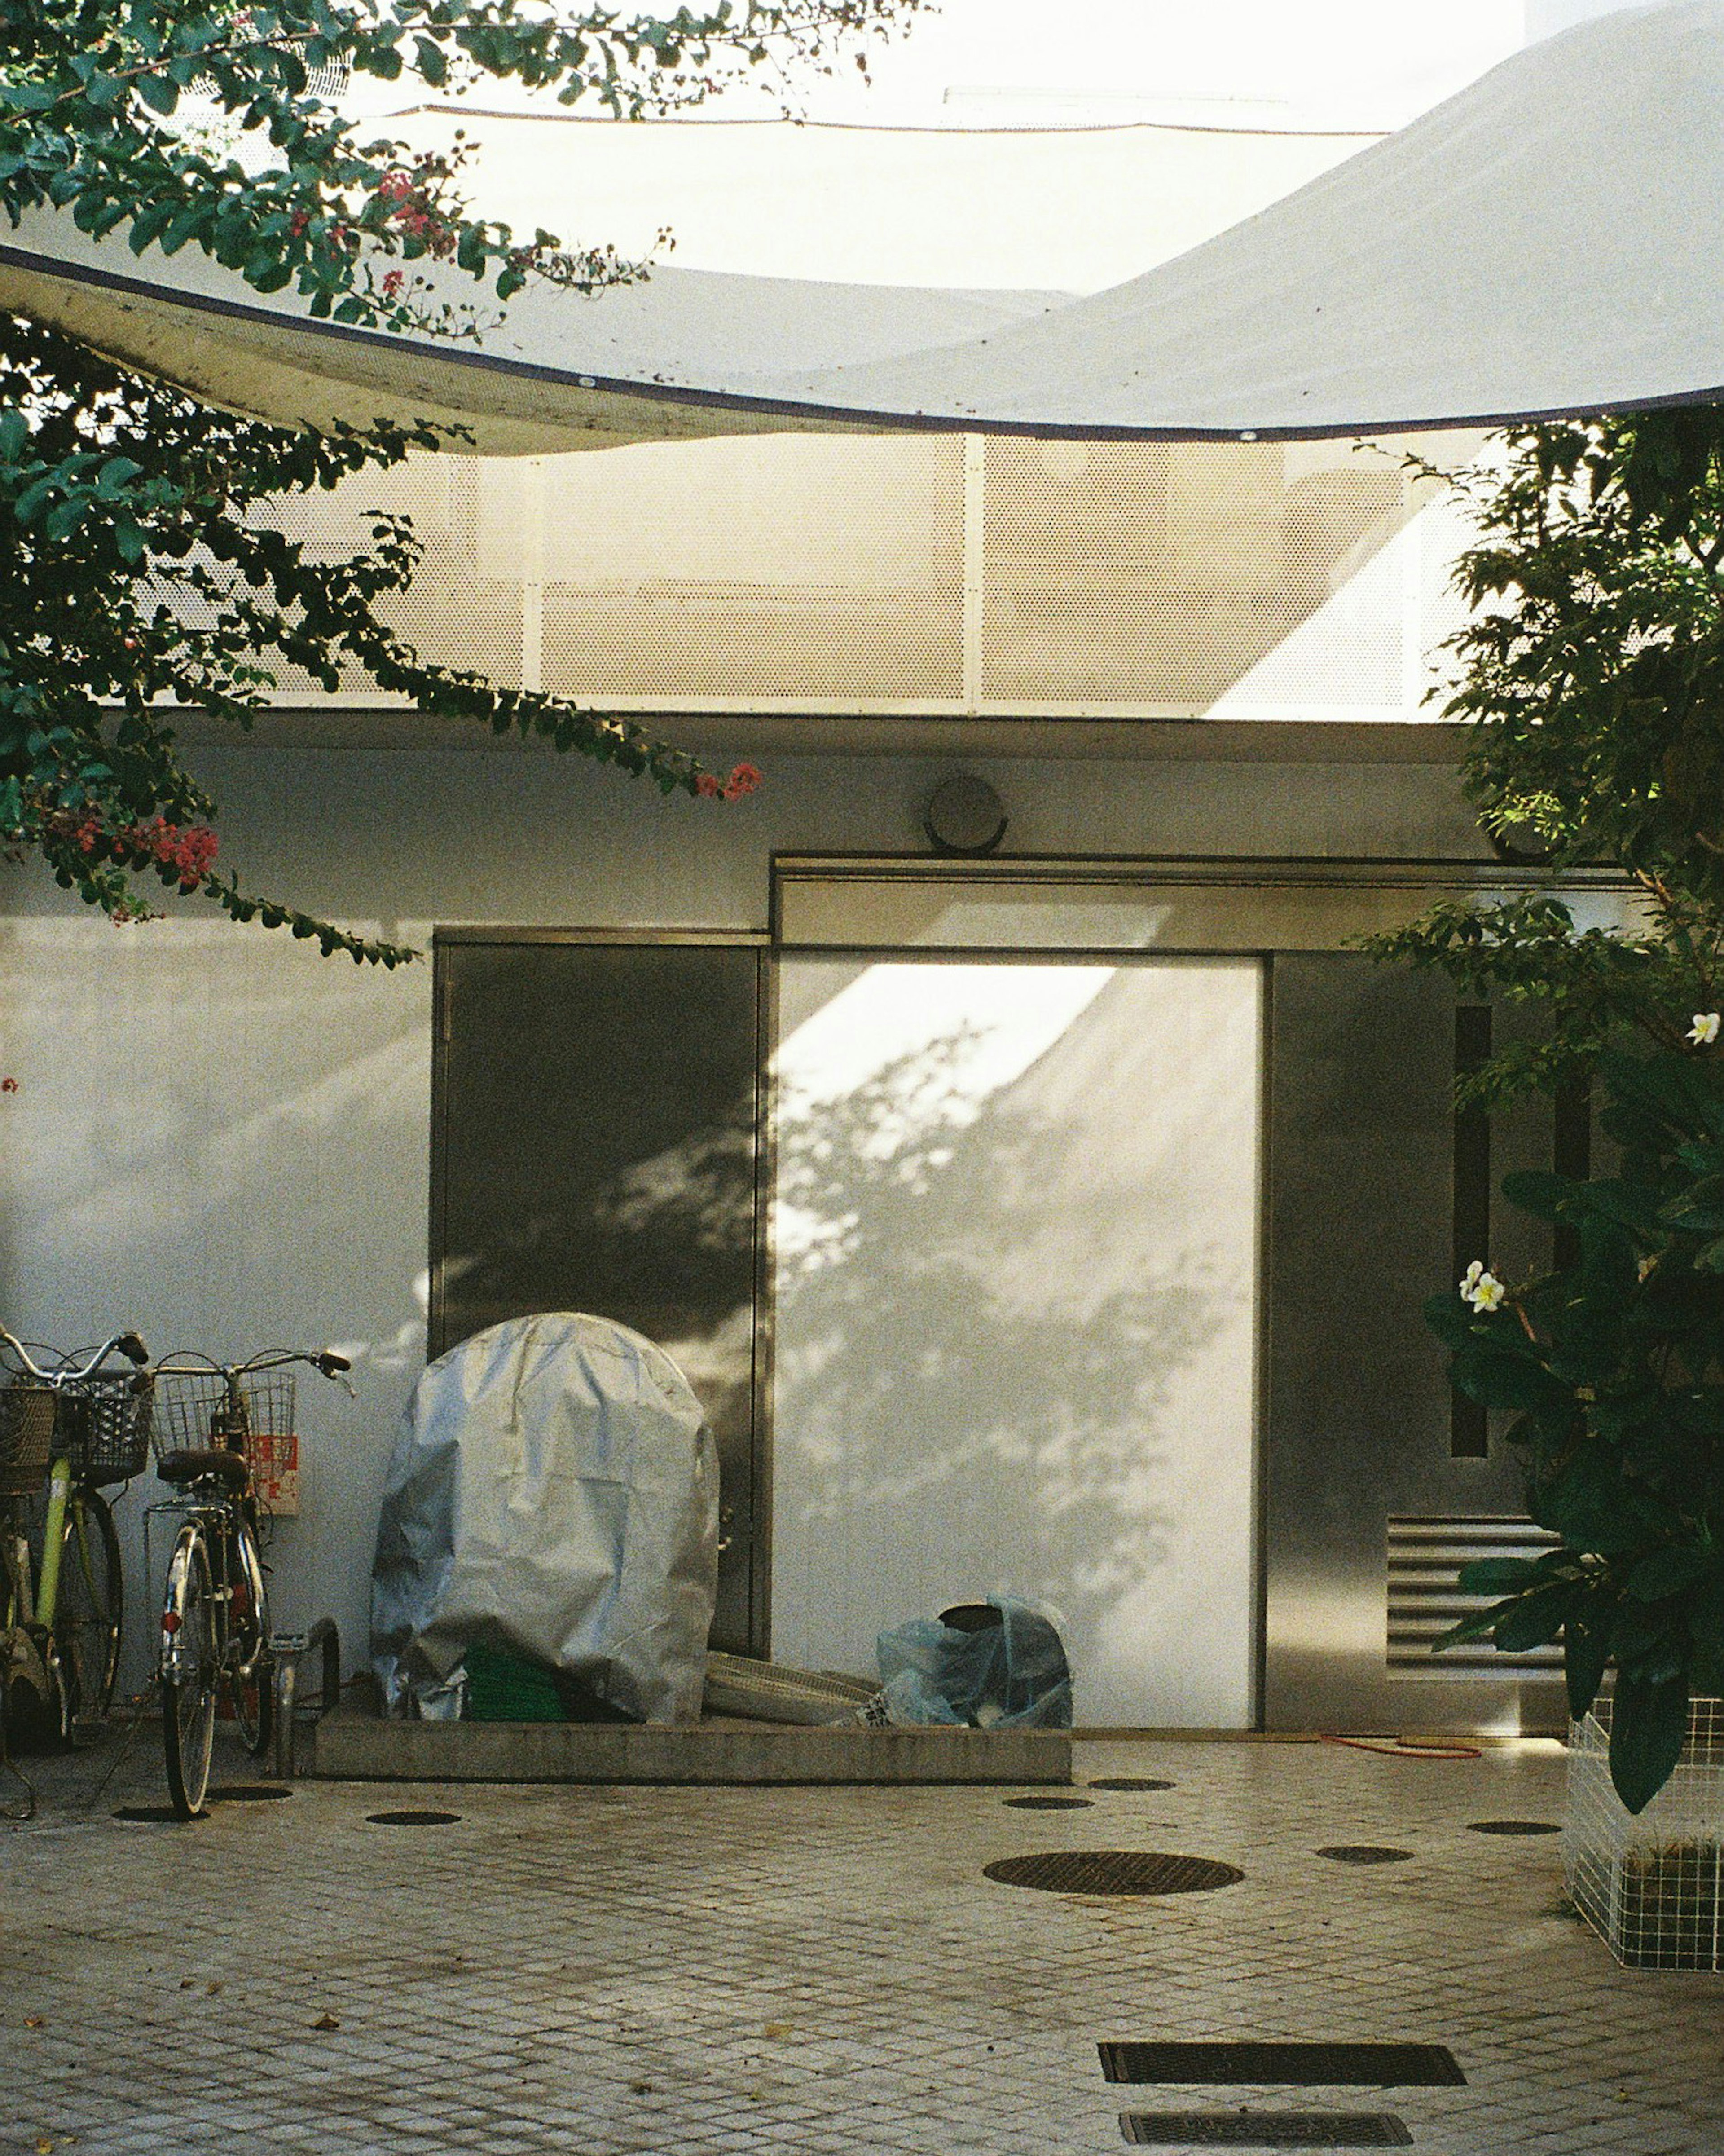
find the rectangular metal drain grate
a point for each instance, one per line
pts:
(1290, 2065)
(1264, 2129)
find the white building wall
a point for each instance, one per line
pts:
(223, 1138)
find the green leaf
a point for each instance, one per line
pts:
(1480, 1625)
(1450, 1318)
(1497, 1575)
(159, 92)
(149, 223)
(1535, 1618)
(1649, 1726)
(1665, 1571)
(1586, 1655)
(1499, 1377)
(1538, 1193)
(28, 97)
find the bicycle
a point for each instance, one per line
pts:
(215, 1609)
(76, 1424)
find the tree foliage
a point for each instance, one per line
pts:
(141, 575)
(1614, 1368)
(1591, 673)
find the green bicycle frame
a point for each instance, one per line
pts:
(47, 1586)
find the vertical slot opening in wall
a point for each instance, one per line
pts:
(1468, 1431)
(1572, 1155)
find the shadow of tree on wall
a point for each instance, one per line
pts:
(972, 1357)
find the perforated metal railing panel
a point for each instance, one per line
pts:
(938, 573)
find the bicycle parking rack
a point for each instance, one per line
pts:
(290, 1649)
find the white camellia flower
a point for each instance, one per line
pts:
(1482, 1290)
(1704, 1031)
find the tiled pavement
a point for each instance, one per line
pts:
(601, 1970)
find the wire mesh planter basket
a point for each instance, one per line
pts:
(196, 1413)
(26, 1436)
(1652, 1887)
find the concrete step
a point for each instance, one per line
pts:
(353, 1744)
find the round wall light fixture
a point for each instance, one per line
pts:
(964, 815)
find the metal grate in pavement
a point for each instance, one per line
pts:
(1365, 1852)
(1114, 1872)
(245, 1793)
(1246, 2063)
(1130, 1782)
(412, 1819)
(1050, 1804)
(1514, 1826)
(1264, 2129)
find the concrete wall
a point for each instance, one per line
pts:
(223, 1139)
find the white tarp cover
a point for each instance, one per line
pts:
(1547, 241)
(554, 1492)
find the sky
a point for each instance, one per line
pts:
(992, 62)
(1364, 65)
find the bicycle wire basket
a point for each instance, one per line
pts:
(26, 1436)
(101, 1425)
(194, 1413)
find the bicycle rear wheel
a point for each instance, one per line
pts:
(87, 1623)
(190, 1653)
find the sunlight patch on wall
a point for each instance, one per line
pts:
(1016, 1315)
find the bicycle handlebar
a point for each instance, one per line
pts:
(128, 1344)
(326, 1360)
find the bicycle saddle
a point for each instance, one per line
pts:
(229, 1467)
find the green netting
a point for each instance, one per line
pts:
(505, 1687)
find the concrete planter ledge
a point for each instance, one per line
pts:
(353, 1745)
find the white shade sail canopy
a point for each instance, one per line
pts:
(1547, 241)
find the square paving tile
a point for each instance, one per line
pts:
(628, 1971)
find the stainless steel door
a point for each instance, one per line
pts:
(1363, 1447)
(595, 1147)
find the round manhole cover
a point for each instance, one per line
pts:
(1365, 1852)
(1130, 1782)
(152, 1816)
(1050, 1804)
(246, 1793)
(412, 1819)
(1114, 1872)
(1514, 1826)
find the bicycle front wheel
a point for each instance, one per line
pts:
(87, 1623)
(190, 1657)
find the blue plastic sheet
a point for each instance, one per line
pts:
(1013, 1674)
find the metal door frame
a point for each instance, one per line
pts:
(464, 935)
(1241, 907)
